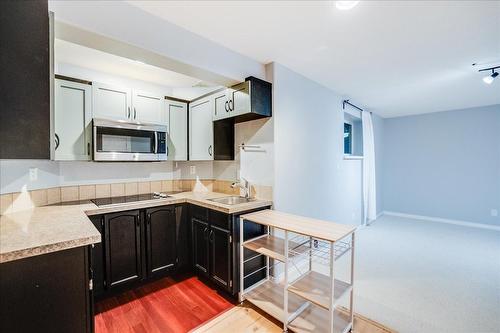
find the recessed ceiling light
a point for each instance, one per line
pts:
(345, 5)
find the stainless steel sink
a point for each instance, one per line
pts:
(233, 200)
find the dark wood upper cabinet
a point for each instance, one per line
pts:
(123, 248)
(261, 104)
(224, 139)
(25, 80)
(161, 240)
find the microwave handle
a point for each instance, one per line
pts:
(155, 148)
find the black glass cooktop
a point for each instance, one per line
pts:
(130, 198)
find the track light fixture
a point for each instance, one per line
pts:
(489, 78)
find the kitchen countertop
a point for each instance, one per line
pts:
(66, 225)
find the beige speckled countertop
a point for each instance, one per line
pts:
(54, 228)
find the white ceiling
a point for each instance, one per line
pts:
(392, 57)
(82, 56)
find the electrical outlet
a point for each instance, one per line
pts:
(33, 174)
(494, 212)
(192, 170)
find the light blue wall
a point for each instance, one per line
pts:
(444, 164)
(311, 177)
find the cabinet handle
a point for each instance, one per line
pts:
(88, 148)
(210, 150)
(227, 106)
(135, 113)
(230, 106)
(57, 141)
(128, 114)
(149, 219)
(205, 233)
(211, 236)
(137, 223)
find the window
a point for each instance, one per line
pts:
(347, 139)
(353, 136)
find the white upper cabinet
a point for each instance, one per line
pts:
(221, 105)
(232, 102)
(239, 99)
(111, 102)
(120, 103)
(201, 135)
(146, 107)
(72, 120)
(245, 101)
(176, 118)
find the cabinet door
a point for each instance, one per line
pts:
(46, 293)
(221, 105)
(123, 248)
(200, 246)
(220, 256)
(161, 240)
(98, 257)
(176, 114)
(201, 134)
(24, 80)
(239, 99)
(72, 118)
(111, 102)
(147, 107)
(183, 237)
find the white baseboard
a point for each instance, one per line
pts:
(441, 220)
(371, 221)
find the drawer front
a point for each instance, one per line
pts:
(200, 213)
(220, 219)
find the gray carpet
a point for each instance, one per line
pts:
(418, 276)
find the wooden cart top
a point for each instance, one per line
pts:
(320, 229)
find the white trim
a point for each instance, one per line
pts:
(352, 157)
(442, 220)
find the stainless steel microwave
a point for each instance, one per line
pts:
(122, 141)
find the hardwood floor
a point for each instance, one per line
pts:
(188, 305)
(166, 305)
(248, 319)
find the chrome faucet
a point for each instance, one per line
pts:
(243, 184)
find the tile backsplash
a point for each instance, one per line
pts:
(13, 202)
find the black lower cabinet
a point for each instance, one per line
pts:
(215, 246)
(200, 232)
(161, 240)
(220, 254)
(47, 293)
(122, 234)
(139, 245)
(98, 258)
